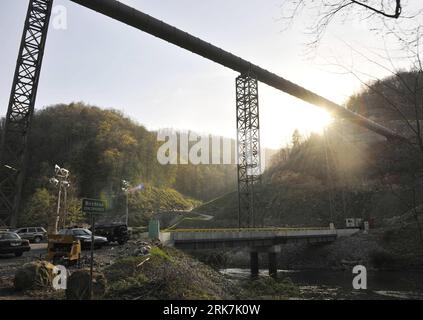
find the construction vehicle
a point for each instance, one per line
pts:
(63, 249)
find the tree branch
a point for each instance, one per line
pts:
(394, 15)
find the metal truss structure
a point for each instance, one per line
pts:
(248, 149)
(21, 108)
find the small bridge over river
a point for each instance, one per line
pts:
(256, 240)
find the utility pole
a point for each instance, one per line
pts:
(92, 255)
(65, 205)
(56, 224)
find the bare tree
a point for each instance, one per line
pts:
(321, 13)
(397, 100)
(399, 25)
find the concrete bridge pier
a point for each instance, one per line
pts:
(272, 253)
(273, 266)
(254, 264)
(272, 260)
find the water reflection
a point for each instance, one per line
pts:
(326, 284)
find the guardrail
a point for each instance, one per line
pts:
(244, 229)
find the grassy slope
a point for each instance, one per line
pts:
(166, 274)
(143, 204)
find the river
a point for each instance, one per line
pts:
(326, 284)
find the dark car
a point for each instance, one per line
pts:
(84, 235)
(113, 232)
(10, 242)
(34, 234)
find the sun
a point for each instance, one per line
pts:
(314, 121)
(279, 121)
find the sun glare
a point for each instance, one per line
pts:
(315, 121)
(278, 123)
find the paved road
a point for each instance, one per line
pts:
(10, 261)
(36, 250)
(182, 217)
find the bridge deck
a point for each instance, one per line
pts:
(252, 237)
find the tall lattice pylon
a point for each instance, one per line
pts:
(248, 150)
(21, 108)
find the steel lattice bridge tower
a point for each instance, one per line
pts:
(14, 141)
(248, 149)
(22, 100)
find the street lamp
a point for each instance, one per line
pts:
(125, 188)
(60, 181)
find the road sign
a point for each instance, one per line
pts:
(93, 206)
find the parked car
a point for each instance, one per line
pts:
(33, 234)
(84, 235)
(113, 232)
(10, 242)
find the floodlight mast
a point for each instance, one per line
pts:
(59, 181)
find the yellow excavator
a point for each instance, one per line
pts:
(63, 249)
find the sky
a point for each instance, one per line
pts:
(108, 64)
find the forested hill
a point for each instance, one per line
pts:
(346, 172)
(102, 147)
(99, 147)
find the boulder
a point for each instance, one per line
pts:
(34, 275)
(79, 283)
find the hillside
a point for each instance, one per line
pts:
(100, 148)
(299, 191)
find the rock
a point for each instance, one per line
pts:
(142, 251)
(34, 275)
(79, 284)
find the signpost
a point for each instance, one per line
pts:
(93, 207)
